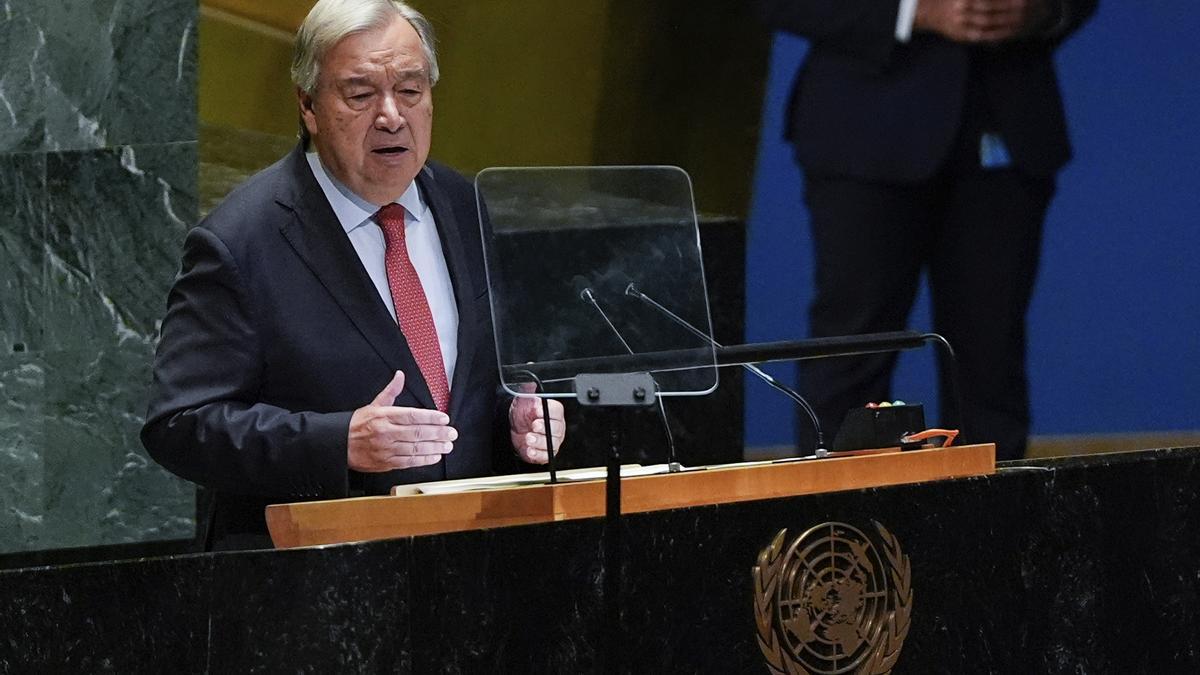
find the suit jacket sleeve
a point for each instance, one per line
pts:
(863, 30)
(205, 423)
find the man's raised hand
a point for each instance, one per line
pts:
(384, 437)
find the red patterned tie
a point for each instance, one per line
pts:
(412, 308)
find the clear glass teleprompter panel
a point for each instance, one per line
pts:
(560, 241)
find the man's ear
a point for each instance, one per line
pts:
(307, 114)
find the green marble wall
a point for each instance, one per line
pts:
(98, 157)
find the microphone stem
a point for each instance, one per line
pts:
(672, 464)
(591, 298)
(750, 367)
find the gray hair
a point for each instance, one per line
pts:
(330, 21)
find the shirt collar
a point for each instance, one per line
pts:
(353, 211)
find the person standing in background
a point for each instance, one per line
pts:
(929, 133)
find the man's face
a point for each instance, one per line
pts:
(372, 114)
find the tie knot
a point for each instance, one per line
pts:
(391, 218)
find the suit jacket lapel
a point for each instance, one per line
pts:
(460, 277)
(317, 237)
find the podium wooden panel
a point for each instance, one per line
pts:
(369, 518)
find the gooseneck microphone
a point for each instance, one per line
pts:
(632, 291)
(589, 297)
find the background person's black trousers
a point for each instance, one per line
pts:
(977, 234)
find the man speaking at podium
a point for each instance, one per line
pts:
(329, 333)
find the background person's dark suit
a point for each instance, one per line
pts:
(274, 335)
(888, 135)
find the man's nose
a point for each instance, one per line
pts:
(390, 117)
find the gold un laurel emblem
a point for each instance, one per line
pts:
(828, 602)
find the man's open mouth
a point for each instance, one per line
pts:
(391, 150)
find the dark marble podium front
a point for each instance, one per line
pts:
(1081, 565)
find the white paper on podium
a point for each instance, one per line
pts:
(525, 479)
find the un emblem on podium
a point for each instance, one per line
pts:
(832, 601)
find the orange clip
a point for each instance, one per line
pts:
(948, 434)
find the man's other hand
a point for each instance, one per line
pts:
(384, 437)
(528, 429)
(980, 21)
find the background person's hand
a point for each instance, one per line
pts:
(528, 430)
(384, 437)
(979, 21)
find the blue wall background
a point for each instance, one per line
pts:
(1114, 342)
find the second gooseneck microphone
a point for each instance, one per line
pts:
(632, 291)
(589, 297)
(586, 294)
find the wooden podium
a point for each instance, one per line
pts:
(370, 518)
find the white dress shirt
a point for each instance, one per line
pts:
(904, 20)
(424, 249)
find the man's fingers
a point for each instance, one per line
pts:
(415, 416)
(994, 6)
(529, 427)
(534, 456)
(429, 432)
(391, 391)
(405, 455)
(992, 20)
(410, 449)
(390, 462)
(976, 20)
(525, 408)
(557, 425)
(538, 442)
(386, 437)
(996, 34)
(412, 461)
(416, 433)
(528, 409)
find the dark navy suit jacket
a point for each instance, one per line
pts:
(865, 106)
(274, 335)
